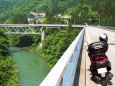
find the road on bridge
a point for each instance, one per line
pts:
(92, 35)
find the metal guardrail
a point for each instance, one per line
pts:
(107, 27)
(63, 73)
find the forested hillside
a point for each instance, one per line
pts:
(8, 72)
(6, 5)
(83, 11)
(56, 44)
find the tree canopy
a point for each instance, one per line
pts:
(83, 11)
(8, 74)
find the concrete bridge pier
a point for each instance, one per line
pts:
(67, 21)
(25, 29)
(42, 37)
(43, 34)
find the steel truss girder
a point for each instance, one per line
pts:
(21, 30)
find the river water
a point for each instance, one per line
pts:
(32, 68)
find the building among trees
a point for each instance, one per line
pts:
(36, 17)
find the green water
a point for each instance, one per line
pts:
(32, 68)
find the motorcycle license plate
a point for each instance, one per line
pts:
(102, 70)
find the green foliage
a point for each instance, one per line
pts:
(24, 40)
(54, 20)
(82, 11)
(6, 4)
(13, 39)
(8, 75)
(93, 12)
(55, 45)
(17, 19)
(3, 44)
(50, 31)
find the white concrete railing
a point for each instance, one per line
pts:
(57, 76)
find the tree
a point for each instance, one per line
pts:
(8, 75)
(55, 45)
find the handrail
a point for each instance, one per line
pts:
(107, 27)
(69, 74)
(57, 76)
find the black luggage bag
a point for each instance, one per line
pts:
(98, 48)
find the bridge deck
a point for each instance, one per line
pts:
(91, 35)
(40, 25)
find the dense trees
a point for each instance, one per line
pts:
(8, 75)
(5, 6)
(83, 11)
(96, 12)
(17, 19)
(24, 40)
(106, 11)
(55, 45)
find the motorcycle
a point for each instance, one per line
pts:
(100, 69)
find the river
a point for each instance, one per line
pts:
(32, 68)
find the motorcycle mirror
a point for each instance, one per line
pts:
(85, 44)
